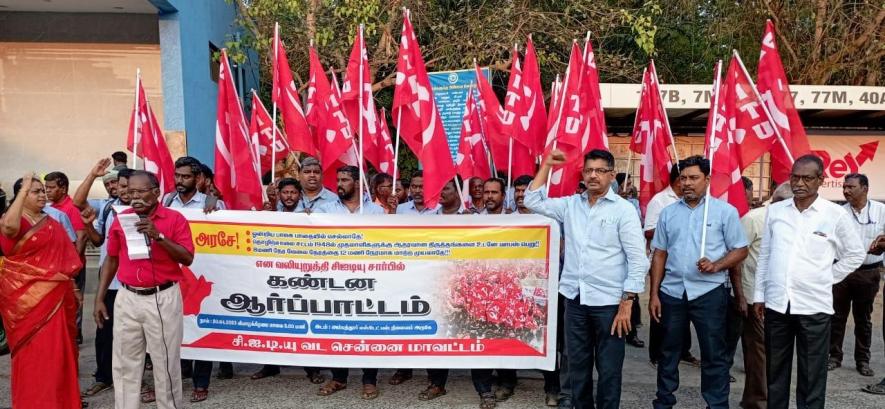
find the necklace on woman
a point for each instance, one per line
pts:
(32, 219)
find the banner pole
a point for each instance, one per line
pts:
(135, 119)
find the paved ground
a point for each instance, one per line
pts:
(291, 389)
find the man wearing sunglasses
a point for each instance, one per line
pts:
(858, 291)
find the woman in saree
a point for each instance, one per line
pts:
(38, 302)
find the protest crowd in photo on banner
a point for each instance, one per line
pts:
(201, 265)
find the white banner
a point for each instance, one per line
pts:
(843, 155)
(372, 291)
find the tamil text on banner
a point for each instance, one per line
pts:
(372, 291)
(450, 92)
(843, 155)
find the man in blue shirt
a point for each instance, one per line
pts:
(687, 287)
(605, 265)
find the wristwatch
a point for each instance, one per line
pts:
(628, 296)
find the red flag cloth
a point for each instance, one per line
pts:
(568, 129)
(261, 132)
(592, 97)
(285, 95)
(472, 159)
(722, 145)
(415, 111)
(236, 167)
(775, 90)
(534, 119)
(754, 133)
(651, 138)
(151, 142)
(386, 153)
(367, 125)
(517, 115)
(331, 126)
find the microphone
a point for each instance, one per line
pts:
(147, 240)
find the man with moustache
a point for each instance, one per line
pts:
(401, 192)
(313, 193)
(493, 197)
(604, 268)
(519, 187)
(416, 205)
(477, 194)
(289, 199)
(148, 308)
(348, 203)
(450, 198)
(104, 336)
(686, 287)
(382, 192)
(858, 291)
(186, 196)
(795, 276)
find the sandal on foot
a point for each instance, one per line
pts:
(399, 377)
(432, 392)
(96, 388)
(199, 395)
(148, 396)
(369, 391)
(875, 389)
(331, 387)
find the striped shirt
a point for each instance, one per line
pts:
(870, 222)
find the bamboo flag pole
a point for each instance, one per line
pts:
(715, 113)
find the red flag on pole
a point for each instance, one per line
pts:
(491, 112)
(285, 95)
(331, 126)
(386, 158)
(152, 146)
(261, 131)
(415, 111)
(358, 103)
(775, 90)
(722, 140)
(472, 159)
(518, 112)
(651, 138)
(534, 119)
(598, 135)
(569, 128)
(236, 167)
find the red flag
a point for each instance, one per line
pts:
(472, 159)
(491, 112)
(598, 136)
(366, 125)
(386, 153)
(775, 90)
(722, 144)
(518, 112)
(534, 119)
(151, 142)
(236, 168)
(261, 132)
(567, 130)
(285, 95)
(331, 127)
(415, 111)
(651, 138)
(754, 133)
(552, 115)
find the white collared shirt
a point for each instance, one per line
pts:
(795, 266)
(870, 222)
(656, 205)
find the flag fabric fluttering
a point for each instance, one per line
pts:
(651, 138)
(518, 112)
(261, 132)
(472, 159)
(771, 81)
(414, 109)
(145, 132)
(386, 155)
(285, 96)
(722, 139)
(534, 119)
(358, 103)
(236, 161)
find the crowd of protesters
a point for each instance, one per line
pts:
(782, 280)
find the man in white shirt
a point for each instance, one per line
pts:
(752, 334)
(416, 190)
(794, 284)
(858, 291)
(662, 199)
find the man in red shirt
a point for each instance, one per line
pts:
(148, 310)
(56, 185)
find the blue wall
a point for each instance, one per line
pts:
(186, 29)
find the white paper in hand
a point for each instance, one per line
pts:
(138, 249)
